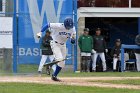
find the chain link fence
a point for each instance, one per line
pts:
(28, 48)
(6, 11)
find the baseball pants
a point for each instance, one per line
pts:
(43, 60)
(94, 58)
(138, 61)
(59, 51)
(85, 62)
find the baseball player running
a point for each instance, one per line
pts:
(61, 32)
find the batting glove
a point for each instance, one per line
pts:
(93, 51)
(39, 34)
(106, 50)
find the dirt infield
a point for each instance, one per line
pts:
(77, 81)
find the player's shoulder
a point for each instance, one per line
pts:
(57, 24)
(73, 29)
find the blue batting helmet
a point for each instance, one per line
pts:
(68, 23)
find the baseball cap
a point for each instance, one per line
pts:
(98, 29)
(48, 30)
(86, 29)
(117, 40)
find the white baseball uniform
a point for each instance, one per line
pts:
(60, 35)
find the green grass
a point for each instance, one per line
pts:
(44, 88)
(127, 81)
(72, 74)
(34, 68)
(27, 68)
(22, 69)
(101, 74)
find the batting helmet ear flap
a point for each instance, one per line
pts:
(137, 40)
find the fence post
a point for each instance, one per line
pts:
(75, 50)
(130, 3)
(122, 58)
(14, 39)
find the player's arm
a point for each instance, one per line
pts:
(59, 26)
(44, 28)
(52, 26)
(80, 42)
(92, 42)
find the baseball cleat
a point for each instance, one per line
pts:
(39, 73)
(55, 79)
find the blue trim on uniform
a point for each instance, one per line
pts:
(45, 27)
(56, 72)
(14, 39)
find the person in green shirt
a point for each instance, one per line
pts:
(85, 43)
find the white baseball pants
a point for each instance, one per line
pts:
(43, 60)
(59, 52)
(94, 58)
(138, 61)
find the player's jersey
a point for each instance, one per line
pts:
(60, 33)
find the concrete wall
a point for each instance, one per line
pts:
(81, 26)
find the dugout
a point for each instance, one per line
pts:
(123, 23)
(124, 28)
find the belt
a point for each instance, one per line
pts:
(59, 43)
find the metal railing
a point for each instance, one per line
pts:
(109, 3)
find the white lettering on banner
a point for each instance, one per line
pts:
(37, 19)
(32, 52)
(29, 52)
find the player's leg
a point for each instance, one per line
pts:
(88, 58)
(61, 64)
(95, 55)
(56, 48)
(48, 68)
(56, 51)
(102, 56)
(83, 61)
(138, 61)
(115, 60)
(63, 53)
(58, 56)
(42, 62)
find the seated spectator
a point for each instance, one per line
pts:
(115, 52)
